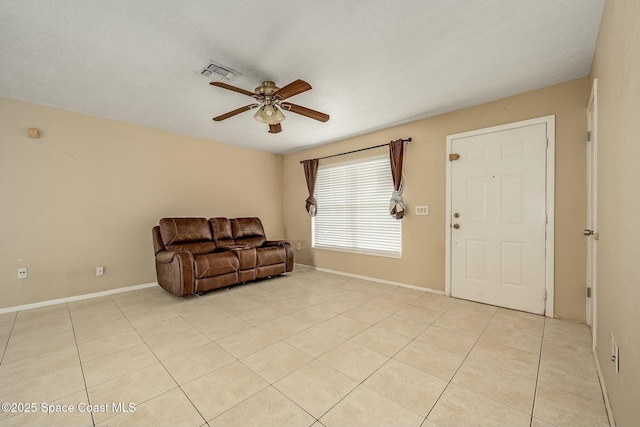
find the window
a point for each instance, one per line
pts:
(353, 209)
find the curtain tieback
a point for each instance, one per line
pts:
(311, 206)
(396, 205)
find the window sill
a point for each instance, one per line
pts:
(360, 251)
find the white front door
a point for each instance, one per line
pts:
(498, 208)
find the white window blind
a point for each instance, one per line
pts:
(353, 209)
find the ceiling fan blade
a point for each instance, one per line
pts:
(234, 112)
(233, 88)
(292, 89)
(277, 128)
(308, 112)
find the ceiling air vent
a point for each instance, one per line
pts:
(217, 72)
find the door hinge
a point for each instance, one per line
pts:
(453, 157)
(593, 234)
(545, 295)
(588, 292)
(589, 136)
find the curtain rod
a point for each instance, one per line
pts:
(355, 151)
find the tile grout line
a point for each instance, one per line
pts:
(406, 304)
(480, 394)
(178, 386)
(535, 394)
(28, 357)
(84, 378)
(135, 370)
(362, 383)
(15, 318)
(314, 358)
(270, 384)
(167, 370)
(464, 360)
(393, 357)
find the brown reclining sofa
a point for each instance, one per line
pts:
(196, 255)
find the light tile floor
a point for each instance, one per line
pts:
(304, 349)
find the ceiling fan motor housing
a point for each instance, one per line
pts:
(267, 88)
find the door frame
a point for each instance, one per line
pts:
(592, 209)
(550, 122)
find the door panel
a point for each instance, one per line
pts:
(512, 190)
(512, 260)
(498, 189)
(476, 194)
(476, 260)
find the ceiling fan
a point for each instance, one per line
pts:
(270, 99)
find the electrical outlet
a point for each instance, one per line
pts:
(298, 246)
(22, 273)
(422, 210)
(100, 271)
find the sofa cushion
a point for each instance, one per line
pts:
(187, 234)
(215, 264)
(222, 233)
(248, 231)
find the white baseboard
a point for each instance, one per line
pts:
(303, 265)
(76, 298)
(374, 279)
(607, 404)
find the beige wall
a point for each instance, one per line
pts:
(89, 190)
(616, 65)
(422, 262)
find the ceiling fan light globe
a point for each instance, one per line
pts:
(277, 116)
(269, 114)
(259, 115)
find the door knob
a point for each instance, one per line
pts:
(587, 232)
(456, 215)
(456, 226)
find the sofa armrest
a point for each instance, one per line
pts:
(165, 257)
(176, 272)
(288, 251)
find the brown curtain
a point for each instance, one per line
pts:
(310, 174)
(396, 155)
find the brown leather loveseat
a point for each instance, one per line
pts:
(196, 255)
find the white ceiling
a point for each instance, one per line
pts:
(372, 64)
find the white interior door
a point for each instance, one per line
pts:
(592, 209)
(498, 208)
